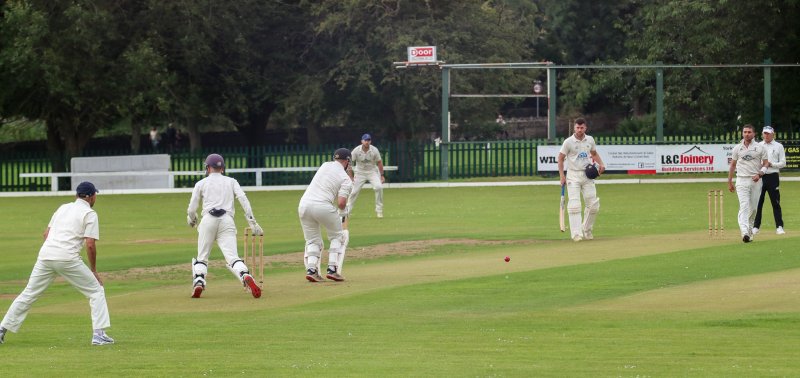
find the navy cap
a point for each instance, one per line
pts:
(366, 137)
(86, 189)
(768, 129)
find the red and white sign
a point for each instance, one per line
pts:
(422, 54)
(649, 159)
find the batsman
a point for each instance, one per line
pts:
(323, 205)
(580, 153)
(217, 193)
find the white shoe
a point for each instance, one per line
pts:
(755, 231)
(577, 238)
(780, 231)
(587, 235)
(379, 214)
(102, 339)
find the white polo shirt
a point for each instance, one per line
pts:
(218, 192)
(748, 159)
(365, 161)
(70, 224)
(329, 183)
(578, 153)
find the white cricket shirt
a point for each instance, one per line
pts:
(578, 152)
(329, 183)
(218, 192)
(748, 159)
(70, 224)
(776, 156)
(365, 161)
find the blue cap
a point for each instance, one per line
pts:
(768, 129)
(342, 154)
(215, 161)
(86, 189)
(366, 137)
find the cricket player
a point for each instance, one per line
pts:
(771, 180)
(580, 151)
(367, 166)
(323, 205)
(749, 162)
(217, 193)
(72, 226)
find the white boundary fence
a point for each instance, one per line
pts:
(258, 171)
(393, 186)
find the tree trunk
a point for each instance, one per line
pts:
(55, 147)
(193, 128)
(313, 133)
(136, 136)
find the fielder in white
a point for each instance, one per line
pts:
(217, 193)
(72, 226)
(367, 167)
(323, 205)
(749, 162)
(578, 151)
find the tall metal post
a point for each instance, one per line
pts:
(444, 147)
(767, 94)
(659, 103)
(551, 104)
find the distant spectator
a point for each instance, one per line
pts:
(170, 137)
(500, 120)
(154, 138)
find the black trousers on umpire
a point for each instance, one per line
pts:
(771, 185)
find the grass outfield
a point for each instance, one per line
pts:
(428, 292)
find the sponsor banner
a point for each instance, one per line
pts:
(638, 159)
(649, 159)
(792, 155)
(687, 158)
(417, 54)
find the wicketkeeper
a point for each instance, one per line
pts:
(217, 193)
(579, 150)
(323, 205)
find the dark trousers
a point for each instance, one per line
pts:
(771, 183)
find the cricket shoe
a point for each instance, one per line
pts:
(746, 238)
(780, 231)
(755, 231)
(333, 275)
(197, 290)
(379, 214)
(313, 276)
(577, 238)
(3, 335)
(587, 235)
(102, 339)
(250, 283)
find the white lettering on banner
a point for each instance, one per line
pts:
(422, 54)
(650, 158)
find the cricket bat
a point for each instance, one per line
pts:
(561, 212)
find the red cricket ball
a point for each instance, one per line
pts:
(507, 259)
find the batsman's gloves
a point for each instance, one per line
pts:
(191, 220)
(257, 230)
(592, 172)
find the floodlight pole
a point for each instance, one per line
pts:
(444, 147)
(767, 93)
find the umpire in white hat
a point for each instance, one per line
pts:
(72, 226)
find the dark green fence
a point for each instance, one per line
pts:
(414, 161)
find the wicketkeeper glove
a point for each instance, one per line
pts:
(191, 220)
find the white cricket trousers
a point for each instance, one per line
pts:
(360, 179)
(43, 274)
(223, 231)
(748, 192)
(313, 217)
(579, 185)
